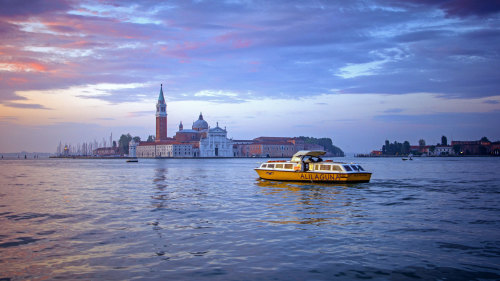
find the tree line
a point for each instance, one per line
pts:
(326, 143)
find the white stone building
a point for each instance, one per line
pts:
(163, 149)
(216, 144)
(443, 150)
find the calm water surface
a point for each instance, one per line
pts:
(430, 219)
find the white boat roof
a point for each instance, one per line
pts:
(314, 153)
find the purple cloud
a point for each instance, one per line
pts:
(266, 48)
(24, 105)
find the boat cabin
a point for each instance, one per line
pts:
(326, 166)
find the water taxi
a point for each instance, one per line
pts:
(308, 166)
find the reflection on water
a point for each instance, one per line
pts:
(312, 203)
(214, 219)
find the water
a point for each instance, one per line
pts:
(428, 219)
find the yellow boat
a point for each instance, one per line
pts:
(309, 167)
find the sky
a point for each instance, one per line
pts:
(358, 72)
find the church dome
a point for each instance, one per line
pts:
(200, 124)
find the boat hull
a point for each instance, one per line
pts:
(313, 176)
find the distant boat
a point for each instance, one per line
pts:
(132, 160)
(409, 158)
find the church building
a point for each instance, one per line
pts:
(199, 141)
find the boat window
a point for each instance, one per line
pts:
(279, 166)
(360, 168)
(270, 166)
(263, 165)
(289, 166)
(347, 168)
(324, 167)
(336, 168)
(354, 168)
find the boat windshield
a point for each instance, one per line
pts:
(312, 159)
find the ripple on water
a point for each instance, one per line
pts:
(213, 219)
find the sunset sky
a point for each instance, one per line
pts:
(359, 72)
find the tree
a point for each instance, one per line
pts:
(421, 142)
(432, 149)
(151, 138)
(114, 144)
(123, 143)
(406, 147)
(485, 139)
(444, 141)
(137, 139)
(326, 143)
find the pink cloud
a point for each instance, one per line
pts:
(26, 66)
(241, 43)
(234, 40)
(181, 51)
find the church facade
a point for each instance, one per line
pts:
(199, 141)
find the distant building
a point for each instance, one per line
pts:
(132, 149)
(273, 147)
(199, 141)
(203, 141)
(472, 147)
(216, 144)
(443, 150)
(106, 151)
(495, 148)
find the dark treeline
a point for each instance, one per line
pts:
(326, 143)
(123, 143)
(396, 148)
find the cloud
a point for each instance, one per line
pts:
(377, 46)
(8, 118)
(491, 102)
(15, 8)
(454, 8)
(24, 105)
(463, 8)
(237, 52)
(141, 113)
(394, 110)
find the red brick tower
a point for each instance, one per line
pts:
(161, 117)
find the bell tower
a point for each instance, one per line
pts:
(161, 117)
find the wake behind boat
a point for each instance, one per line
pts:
(309, 167)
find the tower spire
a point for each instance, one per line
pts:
(161, 98)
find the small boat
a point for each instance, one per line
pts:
(409, 158)
(132, 160)
(307, 166)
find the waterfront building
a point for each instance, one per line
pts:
(206, 141)
(106, 151)
(164, 149)
(442, 150)
(495, 148)
(472, 147)
(203, 141)
(216, 143)
(132, 148)
(276, 147)
(199, 141)
(241, 148)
